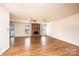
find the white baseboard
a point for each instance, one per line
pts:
(3, 50)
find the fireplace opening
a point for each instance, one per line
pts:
(36, 32)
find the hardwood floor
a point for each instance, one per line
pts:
(41, 46)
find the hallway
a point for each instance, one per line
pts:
(41, 46)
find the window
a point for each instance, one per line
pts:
(43, 29)
(27, 29)
(12, 37)
(11, 30)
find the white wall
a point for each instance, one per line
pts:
(4, 30)
(19, 29)
(66, 29)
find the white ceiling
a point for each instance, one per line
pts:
(41, 11)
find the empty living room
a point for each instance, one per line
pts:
(39, 29)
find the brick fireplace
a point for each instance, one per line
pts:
(35, 29)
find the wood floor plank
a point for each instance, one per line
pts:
(41, 46)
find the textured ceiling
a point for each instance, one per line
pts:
(48, 11)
